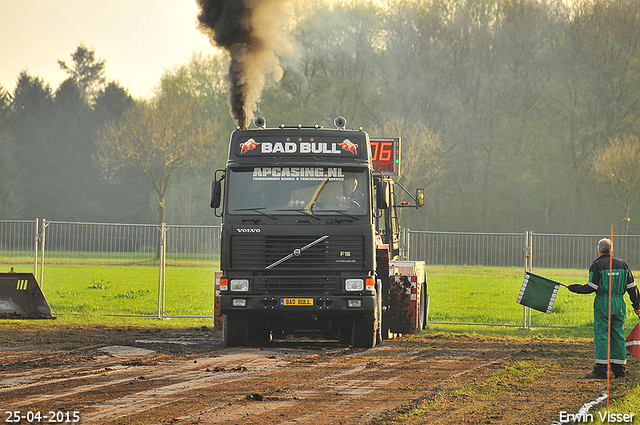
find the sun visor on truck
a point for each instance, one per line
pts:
(21, 297)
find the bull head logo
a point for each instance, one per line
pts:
(247, 146)
(348, 145)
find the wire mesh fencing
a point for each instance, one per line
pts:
(129, 269)
(467, 249)
(163, 270)
(475, 278)
(19, 245)
(553, 251)
(192, 258)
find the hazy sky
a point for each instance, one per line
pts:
(138, 39)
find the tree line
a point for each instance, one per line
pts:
(514, 114)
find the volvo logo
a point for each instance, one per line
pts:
(254, 230)
(297, 252)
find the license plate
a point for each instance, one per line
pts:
(296, 301)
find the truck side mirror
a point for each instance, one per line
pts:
(420, 194)
(216, 192)
(383, 195)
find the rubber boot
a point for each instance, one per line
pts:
(619, 370)
(599, 372)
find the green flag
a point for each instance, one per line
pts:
(538, 292)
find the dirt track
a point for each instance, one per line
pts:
(138, 376)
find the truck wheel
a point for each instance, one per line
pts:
(379, 334)
(364, 331)
(234, 330)
(346, 332)
(257, 332)
(425, 311)
(422, 309)
(367, 328)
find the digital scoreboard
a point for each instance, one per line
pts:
(385, 154)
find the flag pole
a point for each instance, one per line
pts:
(609, 323)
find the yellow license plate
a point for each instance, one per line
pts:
(296, 301)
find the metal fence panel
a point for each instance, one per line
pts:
(168, 270)
(99, 242)
(471, 249)
(19, 245)
(553, 251)
(193, 242)
(101, 268)
(130, 269)
(549, 251)
(192, 258)
(457, 275)
(464, 267)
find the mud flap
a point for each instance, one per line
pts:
(21, 297)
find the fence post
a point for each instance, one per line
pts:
(527, 268)
(35, 249)
(161, 280)
(42, 247)
(165, 228)
(530, 266)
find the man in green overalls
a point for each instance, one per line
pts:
(621, 281)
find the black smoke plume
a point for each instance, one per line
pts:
(251, 32)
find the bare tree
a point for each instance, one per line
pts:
(156, 139)
(617, 163)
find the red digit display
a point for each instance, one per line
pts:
(375, 147)
(385, 154)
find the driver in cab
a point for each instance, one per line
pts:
(352, 196)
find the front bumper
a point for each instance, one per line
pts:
(330, 304)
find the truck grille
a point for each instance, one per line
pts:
(256, 252)
(300, 285)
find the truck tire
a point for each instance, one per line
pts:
(422, 309)
(365, 331)
(425, 311)
(257, 332)
(379, 333)
(367, 328)
(346, 333)
(234, 330)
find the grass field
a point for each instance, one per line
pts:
(488, 295)
(96, 286)
(92, 286)
(129, 290)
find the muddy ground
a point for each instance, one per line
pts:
(168, 376)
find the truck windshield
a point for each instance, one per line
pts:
(294, 190)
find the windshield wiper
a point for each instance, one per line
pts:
(312, 202)
(302, 211)
(258, 210)
(343, 212)
(308, 209)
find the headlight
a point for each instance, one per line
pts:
(354, 303)
(238, 302)
(239, 285)
(354, 284)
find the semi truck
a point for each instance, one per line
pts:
(309, 237)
